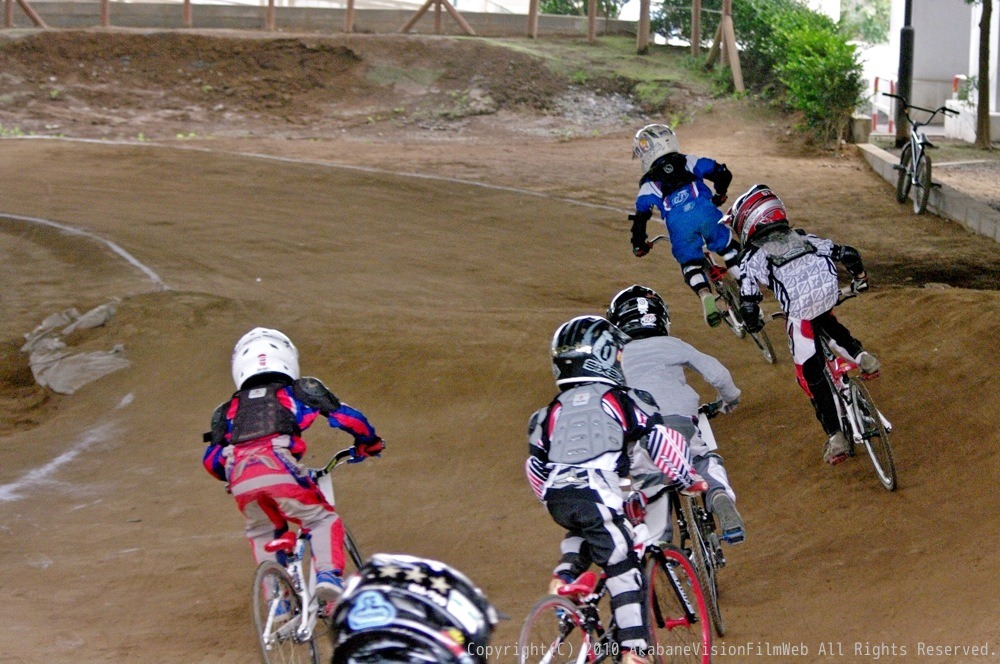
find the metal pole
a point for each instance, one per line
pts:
(907, 37)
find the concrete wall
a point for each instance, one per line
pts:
(944, 200)
(305, 19)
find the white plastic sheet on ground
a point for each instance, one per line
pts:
(56, 366)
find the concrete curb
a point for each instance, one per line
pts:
(945, 201)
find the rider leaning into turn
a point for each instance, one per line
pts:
(255, 445)
(654, 361)
(674, 183)
(579, 450)
(800, 269)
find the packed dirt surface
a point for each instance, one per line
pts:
(421, 260)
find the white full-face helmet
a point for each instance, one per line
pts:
(652, 142)
(262, 350)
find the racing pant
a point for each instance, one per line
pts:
(272, 490)
(598, 534)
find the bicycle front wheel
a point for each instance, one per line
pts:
(875, 435)
(922, 193)
(553, 633)
(352, 550)
(277, 612)
(704, 562)
(734, 319)
(680, 629)
(903, 181)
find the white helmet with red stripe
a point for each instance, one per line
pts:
(262, 350)
(756, 210)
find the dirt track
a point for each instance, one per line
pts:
(429, 304)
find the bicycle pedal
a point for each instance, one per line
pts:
(870, 376)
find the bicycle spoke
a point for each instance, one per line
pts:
(875, 435)
(552, 633)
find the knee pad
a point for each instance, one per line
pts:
(694, 275)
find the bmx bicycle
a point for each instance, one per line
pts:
(860, 419)
(697, 532)
(727, 299)
(914, 163)
(571, 627)
(291, 625)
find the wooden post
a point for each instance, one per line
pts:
(269, 16)
(35, 18)
(8, 13)
(729, 37)
(642, 39)
(349, 17)
(437, 17)
(713, 53)
(438, 4)
(533, 19)
(695, 28)
(186, 16)
(591, 21)
(105, 14)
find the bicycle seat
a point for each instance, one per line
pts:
(284, 543)
(581, 587)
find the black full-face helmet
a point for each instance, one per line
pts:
(588, 349)
(640, 312)
(411, 610)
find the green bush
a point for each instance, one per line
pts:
(788, 53)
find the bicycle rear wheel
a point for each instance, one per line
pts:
(875, 435)
(704, 561)
(552, 633)
(922, 193)
(680, 629)
(903, 182)
(277, 612)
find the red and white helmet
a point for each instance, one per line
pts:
(652, 142)
(757, 209)
(262, 350)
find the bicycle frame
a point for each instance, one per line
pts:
(837, 370)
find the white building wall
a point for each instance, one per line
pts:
(941, 45)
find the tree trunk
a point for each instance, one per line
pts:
(983, 139)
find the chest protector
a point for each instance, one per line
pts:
(785, 245)
(259, 414)
(584, 431)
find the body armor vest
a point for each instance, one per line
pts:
(584, 431)
(259, 414)
(784, 246)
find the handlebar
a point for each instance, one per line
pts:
(907, 106)
(341, 457)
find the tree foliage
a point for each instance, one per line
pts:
(607, 8)
(866, 20)
(788, 53)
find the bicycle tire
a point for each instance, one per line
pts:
(353, 552)
(279, 643)
(553, 633)
(923, 185)
(704, 563)
(680, 627)
(875, 436)
(734, 319)
(903, 181)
